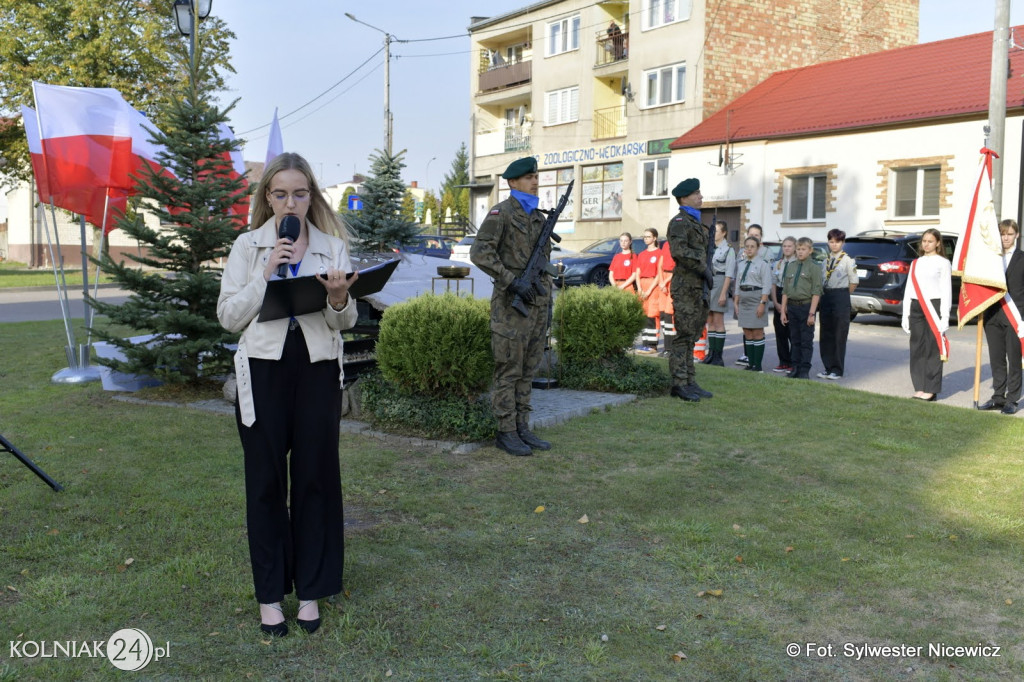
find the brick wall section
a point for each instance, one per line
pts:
(829, 171)
(750, 39)
(945, 181)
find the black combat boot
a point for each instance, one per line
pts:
(685, 393)
(530, 439)
(510, 442)
(699, 391)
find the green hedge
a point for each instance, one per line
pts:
(437, 346)
(593, 323)
(393, 410)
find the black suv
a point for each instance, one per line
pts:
(883, 266)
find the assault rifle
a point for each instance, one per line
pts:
(538, 260)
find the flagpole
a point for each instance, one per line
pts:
(90, 313)
(69, 350)
(977, 362)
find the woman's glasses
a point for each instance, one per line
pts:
(298, 195)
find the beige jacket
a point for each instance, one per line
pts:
(242, 289)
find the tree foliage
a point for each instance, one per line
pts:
(130, 45)
(454, 193)
(175, 283)
(380, 225)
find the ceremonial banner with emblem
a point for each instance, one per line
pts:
(978, 258)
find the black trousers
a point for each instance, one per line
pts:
(1004, 356)
(782, 343)
(925, 362)
(295, 542)
(801, 337)
(834, 322)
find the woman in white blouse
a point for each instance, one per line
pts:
(926, 304)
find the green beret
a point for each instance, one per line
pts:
(520, 167)
(686, 188)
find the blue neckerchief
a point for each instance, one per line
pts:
(692, 211)
(295, 268)
(527, 201)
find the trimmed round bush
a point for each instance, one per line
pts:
(594, 323)
(437, 345)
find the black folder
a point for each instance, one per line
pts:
(302, 295)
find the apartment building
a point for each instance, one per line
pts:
(597, 91)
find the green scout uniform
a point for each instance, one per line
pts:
(688, 244)
(501, 249)
(801, 282)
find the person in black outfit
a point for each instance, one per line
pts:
(1004, 346)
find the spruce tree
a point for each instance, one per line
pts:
(175, 282)
(380, 225)
(454, 193)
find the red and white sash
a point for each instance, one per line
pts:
(930, 315)
(1013, 315)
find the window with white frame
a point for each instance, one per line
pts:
(562, 106)
(657, 13)
(564, 35)
(665, 85)
(917, 192)
(807, 197)
(654, 178)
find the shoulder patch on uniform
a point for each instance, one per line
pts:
(494, 211)
(677, 218)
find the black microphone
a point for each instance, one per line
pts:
(290, 228)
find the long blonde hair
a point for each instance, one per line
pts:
(320, 212)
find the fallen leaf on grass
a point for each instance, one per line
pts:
(710, 593)
(845, 558)
(388, 673)
(583, 519)
(660, 628)
(678, 656)
(24, 571)
(737, 526)
(739, 559)
(789, 549)
(53, 531)
(539, 509)
(1009, 602)
(12, 588)
(129, 561)
(213, 634)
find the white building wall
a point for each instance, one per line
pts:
(858, 157)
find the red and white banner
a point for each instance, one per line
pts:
(236, 169)
(978, 258)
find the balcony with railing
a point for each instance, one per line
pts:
(610, 122)
(612, 46)
(517, 138)
(497, 76)
(501, 139)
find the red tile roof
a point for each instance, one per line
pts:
(947, 78)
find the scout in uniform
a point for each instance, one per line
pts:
(753, 289)
(647, 263)
(665, 267)
(501, 249)
(781, 331)
(801, 293)
(723, 267)
(840, 279)
(688, 244)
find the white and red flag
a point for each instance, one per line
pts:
(978, 258)
(275, 145)
(236, 169)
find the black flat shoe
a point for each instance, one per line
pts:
(1009, 408)
(310, 626)
(990, 405)
(935, 396)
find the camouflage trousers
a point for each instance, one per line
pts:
(517, 343)
(691, 314)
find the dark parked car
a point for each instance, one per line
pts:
(460, 251)
(428, 245)
(883, 267)
(590, 266)
(819, 253)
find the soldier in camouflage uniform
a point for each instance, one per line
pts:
(501, 249)
(688, 244)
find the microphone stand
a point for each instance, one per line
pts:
(6, 446)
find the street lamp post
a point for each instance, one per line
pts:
(186, 13)
(387, 79)
(427, 181)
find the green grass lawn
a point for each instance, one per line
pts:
(19, 275)
(778, 512)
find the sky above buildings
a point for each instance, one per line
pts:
(325, 74)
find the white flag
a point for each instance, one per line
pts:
(274, 145)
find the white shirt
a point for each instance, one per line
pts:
(934, 276)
